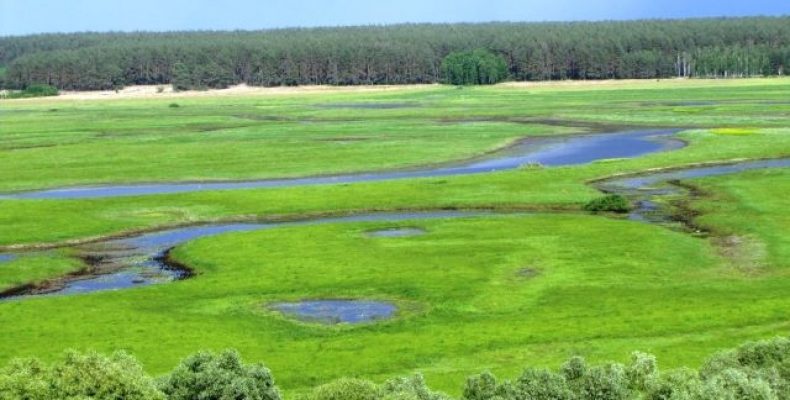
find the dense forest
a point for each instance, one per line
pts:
(410, 53)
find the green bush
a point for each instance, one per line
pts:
(537, 384)
(78, 376)
(346, 389)
(478, 67)
(485, 387)
(410, 388)
(765, 361)
(680, 384)
(609, 203)
(642, 373)
(34, 91)
(40, 90)
(736, 384)
(222, 376)
(574, 368)
(607, 382)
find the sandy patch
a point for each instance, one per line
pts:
(166, 91)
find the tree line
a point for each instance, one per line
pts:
(399, 54)
(753, 371)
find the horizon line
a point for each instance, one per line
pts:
(396, 24)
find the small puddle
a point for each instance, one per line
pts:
(397, 232)
(6, 257)
(547, 151)
(337, 311)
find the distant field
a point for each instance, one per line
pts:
(596, 285)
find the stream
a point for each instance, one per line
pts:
(546, 151)
(142, 259)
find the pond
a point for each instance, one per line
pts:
(337, 311)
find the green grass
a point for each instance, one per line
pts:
(31, 221)
(54, 142)
(752, 209)
(35, 268)
(603, 287)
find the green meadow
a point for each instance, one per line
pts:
(533, 284)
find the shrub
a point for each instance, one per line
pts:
(346, 389)
(609, 203)
(174, 105)
(40, 90)
(78, 376)
(643, 371)
(767, 361)
(735, 384)
(220, 376)
(574, 368)
(606, 382)
(485, 387)
(536, 384)
(411, 388)
(682, 384)
(34, 91)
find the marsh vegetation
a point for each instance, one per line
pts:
(510, 271)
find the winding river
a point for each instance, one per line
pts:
(142, 259)
(547, 151)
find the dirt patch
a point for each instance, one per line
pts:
(743, 253)
(527, 272)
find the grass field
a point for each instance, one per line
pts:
(594, 285)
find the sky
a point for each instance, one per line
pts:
(20, 17)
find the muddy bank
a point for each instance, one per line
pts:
(663, 196)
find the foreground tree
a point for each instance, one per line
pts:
(223, 376)
(754, 371)
(78, 376)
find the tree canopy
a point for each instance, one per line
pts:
(478, 67)
(399, 54)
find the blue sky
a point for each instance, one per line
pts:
(35, 16)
